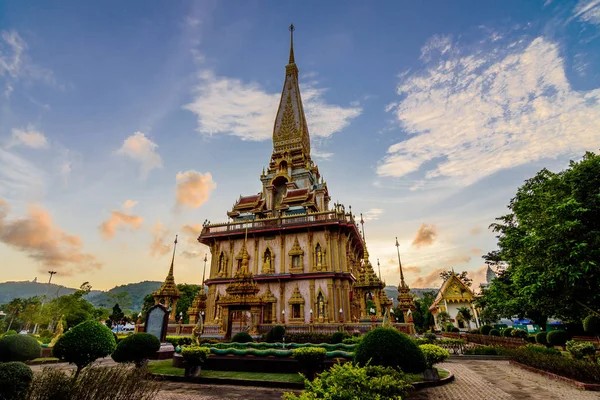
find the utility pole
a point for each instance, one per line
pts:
(52, 273)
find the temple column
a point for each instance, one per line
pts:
(256, 257)
(231, 260)
(346, 301)
(281, 301)
(330, 300)
(311, 303)
(282, 255)
(310, 264)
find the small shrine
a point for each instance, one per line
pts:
(405, 300)
(196, 310)
(168, 294)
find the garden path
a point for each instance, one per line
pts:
(498, 380)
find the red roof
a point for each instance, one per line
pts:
(296, 192)
(249, 199)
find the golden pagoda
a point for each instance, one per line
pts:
(198, 306)
(405, 299)
(168, 294)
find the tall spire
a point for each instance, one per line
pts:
(402, 283)
(204, 271)
(173, 258)
(292, 29)
(379, 269)
(290, 131)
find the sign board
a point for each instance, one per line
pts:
(157, 320)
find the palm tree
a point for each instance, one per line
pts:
(466, 314)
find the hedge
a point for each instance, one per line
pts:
(541, 338)
(485, 329)
(15, 378)
(494, 332)
(19, 348)
(557, 338)
(591, 325)
(242, 337)
(389, 348)
(137, 348)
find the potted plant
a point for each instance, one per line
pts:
(194, 357)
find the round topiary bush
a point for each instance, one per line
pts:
(136, 348)
(19, 348)
(557, 338)
(454, 329)
(591, 325)
(8, 333)
(434, 354)
(242, 337)
(388, 347)
(275, 334)
(531, 338)
(485, 329)
(85, 343)
(310, 360)
(506, 332)
(494, 332)
(15, 378)
(541, 338)
(338, 337)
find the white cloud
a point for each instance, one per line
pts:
(439, 43)
(373, 214)
(19, 176)
(129, 204)
(29, 137)
(230, 106)
(193, 188)
(143, 150)
(473, 115)
(588, 11)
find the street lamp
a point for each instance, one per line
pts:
(311, 319)
(341, 316)
(283, 317)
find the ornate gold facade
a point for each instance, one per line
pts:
(287, 256)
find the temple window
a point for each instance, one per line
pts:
(295, 261)
(296, 311)
(320, 305)
(296, 255)
(296, 303)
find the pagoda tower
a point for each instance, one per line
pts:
(168, 294)
(198, 306)
(285, 255)
(405, 299)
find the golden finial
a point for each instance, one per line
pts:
(173, 259)
(402, 283)
(292, 29)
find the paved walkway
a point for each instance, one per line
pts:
(474, 380)
(498, 380)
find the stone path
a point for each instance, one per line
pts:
(179, 391)
(498, 380)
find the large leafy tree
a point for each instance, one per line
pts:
(549, 246)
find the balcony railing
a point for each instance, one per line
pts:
(325, 216)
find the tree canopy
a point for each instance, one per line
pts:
(549, 246)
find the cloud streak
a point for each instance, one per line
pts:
(193, 188)
(508, 107)
(37, 236)
(142, 150)
(28, 137)
(119, 220)
(426, 236)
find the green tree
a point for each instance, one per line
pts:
(550, 243)
(188, 292)
(466, 314)
(117, 315)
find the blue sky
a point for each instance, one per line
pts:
(122, 124)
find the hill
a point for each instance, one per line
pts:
(132, 293)
(392, 291)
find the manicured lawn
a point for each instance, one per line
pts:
(44, 359)
(166, 367)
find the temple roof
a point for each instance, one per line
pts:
(453, 289)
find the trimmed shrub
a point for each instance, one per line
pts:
(179, 340)
(541, 338)
(557, 338)
(494, 332)
(275, 334)
(519, 333)
(474, 331)
(45, 333)
(506, 332)
(352, 340)
(581, 350)
(8, 333)
(338, 337)
(307, 338)
(15, 378)
(84, 344)
(531, 338)
(433, 354)
(390, 348)
(485, 329)
(544, 350)
(454, 329)
(195, 355)
(137, 349)
(430, 336)
(242, 337)
(310, 360)
(19, 348)
(591, 325)
(349, 381)
(580, 370)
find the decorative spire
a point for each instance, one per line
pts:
(379, 269)
(204, 271)
(402, 283)
(292, 29)
(362, 227)
(173, 258)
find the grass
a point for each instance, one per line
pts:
(43, 359)
(166, 368)
(419, 377)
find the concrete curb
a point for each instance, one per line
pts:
(426, 384)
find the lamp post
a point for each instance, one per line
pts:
(341, 316)
(283, 317)
(311, 318)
